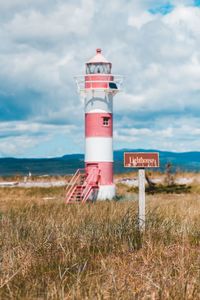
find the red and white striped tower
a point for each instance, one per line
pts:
(99, 86)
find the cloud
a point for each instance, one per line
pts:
(43, 44)
(168, 133)
(141, 20)
(17, 137)
(35, 25)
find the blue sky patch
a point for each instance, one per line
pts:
(163, 9)
(197, 2)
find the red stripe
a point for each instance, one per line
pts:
(98, 124)
(91, 81)
(106, 171)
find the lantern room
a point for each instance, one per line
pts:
(98, 76)
(98, 64)
(98, 72)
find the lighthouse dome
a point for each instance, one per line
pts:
(98, 58)
(98, 64)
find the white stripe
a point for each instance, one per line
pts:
(102, 102)
(98, 149)
(93, 111)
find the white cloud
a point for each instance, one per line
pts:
(18, 137)
(16, 146)
(56, 24)
(43, 44)
(141, 19)
(185, 20)
(167, 72)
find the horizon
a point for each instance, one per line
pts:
(115, 150)
(155, 46)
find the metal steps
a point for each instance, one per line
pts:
(76, 196)
(81, 187)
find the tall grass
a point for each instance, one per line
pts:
(49, 250)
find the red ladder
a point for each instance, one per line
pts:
(81, 187)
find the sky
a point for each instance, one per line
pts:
(155, 45)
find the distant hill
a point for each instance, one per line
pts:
(67, 164)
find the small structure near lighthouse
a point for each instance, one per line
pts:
(98, 87)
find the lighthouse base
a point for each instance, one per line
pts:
(106, 192)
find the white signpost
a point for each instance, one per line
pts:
(141, 210)
(141, 161)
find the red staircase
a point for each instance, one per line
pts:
(82, 187)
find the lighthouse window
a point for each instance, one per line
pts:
(98, 68)
(107, 68)
(106, 121)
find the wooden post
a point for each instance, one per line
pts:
(141, 160)
(141, 183)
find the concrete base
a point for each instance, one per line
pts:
(106, 192)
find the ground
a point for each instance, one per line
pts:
(50, 250)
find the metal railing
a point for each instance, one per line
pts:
(90, 184)
(73, 182)
(81, 82)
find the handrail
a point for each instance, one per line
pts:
(73, 177)
(89, 187)
(87, 194)
(71, 190)
(117, 81)
(72, 183)
(91, 176)
(100, 75)
(80, 82)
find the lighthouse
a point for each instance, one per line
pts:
(97, 86)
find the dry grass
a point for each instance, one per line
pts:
(49, 250)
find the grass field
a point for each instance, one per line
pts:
(49, 250)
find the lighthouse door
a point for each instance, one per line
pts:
(92, 173)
